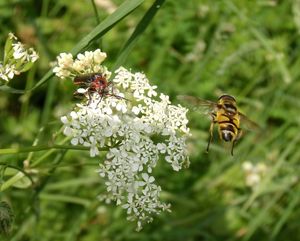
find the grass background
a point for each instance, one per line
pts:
(248, 49)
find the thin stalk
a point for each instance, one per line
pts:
(42, 148)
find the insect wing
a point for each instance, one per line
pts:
(197, 104)
(248, 124)
(83, 80)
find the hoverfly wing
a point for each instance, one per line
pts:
(197, 104)
(248, 124)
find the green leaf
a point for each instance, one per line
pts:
(8, 53)
(26, 67)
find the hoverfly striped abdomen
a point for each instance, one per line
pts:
(228, 131)
(228, 118)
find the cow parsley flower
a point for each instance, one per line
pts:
(139, 126)
(254, 173)
(87, 63)
(17, 59)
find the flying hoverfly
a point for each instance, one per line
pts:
(225, 113)
(94, 83)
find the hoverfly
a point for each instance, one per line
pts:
(94, 83)
(224, 113)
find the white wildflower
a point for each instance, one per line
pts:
(254, 173)
(99, 56)
(87, 63)
(7, 72)
(20, 52)
(17, 58)
(138, 131)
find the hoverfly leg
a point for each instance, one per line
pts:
(211, 128)
(233, 143)
(239, 134)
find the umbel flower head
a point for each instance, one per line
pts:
(254, 173)
(17, 59)
(139, 129)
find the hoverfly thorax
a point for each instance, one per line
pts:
(228, 103)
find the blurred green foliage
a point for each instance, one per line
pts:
(248, 49)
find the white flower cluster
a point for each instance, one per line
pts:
(139, 131)
(254, 173)
(87, 63)
(17, 58)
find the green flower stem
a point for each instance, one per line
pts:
(40, 148)
(48, 153)
(12, 181)
(27, 95)
(95, 11)
(19, 175)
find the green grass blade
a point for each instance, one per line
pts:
(266, 43)
(262, 218)
(65, 198)
(140, 28)
(126, 8)
(287, 213)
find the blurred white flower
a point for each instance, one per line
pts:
(254, 173)
(138, 132)
(23, 54)
(17, 58)
(7, 72)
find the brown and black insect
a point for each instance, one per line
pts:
(94, 83)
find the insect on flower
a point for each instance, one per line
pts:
(225, 113)
(94, 83)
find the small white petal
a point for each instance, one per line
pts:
(68, 131)
(64, 119)
(74, 141)
(82, 90)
